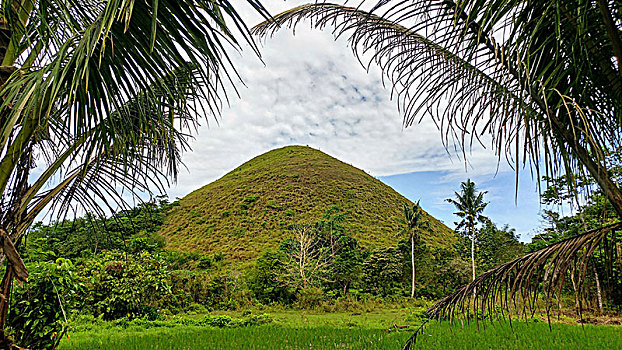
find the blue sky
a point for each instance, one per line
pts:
(433, 187)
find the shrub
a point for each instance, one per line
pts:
(382, 271)
(198, 287)
(119, 285)
(205, 262)
(39, 308)
(264, 281)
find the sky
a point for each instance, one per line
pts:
(309, 89)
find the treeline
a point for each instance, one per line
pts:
(321, 260)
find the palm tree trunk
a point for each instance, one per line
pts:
(412, 261)
(473, 250)
(596, 168)
(599, 292)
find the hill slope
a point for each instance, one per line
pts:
(247, 211)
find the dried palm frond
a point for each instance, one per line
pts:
(514, 289)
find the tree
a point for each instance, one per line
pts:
(469, 205)
(382, 271)
(98, 96)
(264, 278)
(413, 222)
(496, 245)
(331, 220)
(308, 258)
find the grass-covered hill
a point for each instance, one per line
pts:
(249, 210)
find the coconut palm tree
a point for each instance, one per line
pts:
(97, 99)
(413, 222)
(469, 205)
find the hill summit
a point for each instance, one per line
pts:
(248, 211)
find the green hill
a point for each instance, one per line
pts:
(247, 211)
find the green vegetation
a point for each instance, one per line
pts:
(98, 100)
(263, 197)
(542, 80)
(118, 270)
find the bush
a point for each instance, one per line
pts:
(222, 321)
(205, 262)
(382, 272)
(197, 287)
(39, 308)
(119, 285)
(309, 298)
(264, 281)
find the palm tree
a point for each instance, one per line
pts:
(97, 99)
(542, 79)
(469, 205)
(413, 222)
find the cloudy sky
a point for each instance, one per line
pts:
(310, 90)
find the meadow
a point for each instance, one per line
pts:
(303, 330)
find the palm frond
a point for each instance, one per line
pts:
(538, 78)
(426, 77)
(134, 149)
(95, 93)
(515, 288)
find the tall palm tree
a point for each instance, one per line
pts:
(542, 79)
(469, 205)
(97, 99)
(413, 222)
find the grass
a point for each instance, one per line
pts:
(524, 335)
(247, 211)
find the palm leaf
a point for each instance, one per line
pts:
(426, 76)
(522, 89)
(94, 93)
(516, 286)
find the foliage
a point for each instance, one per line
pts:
(123, 285)
(382, 271)
(494, 246)
(40, 308)
(133, 230)
(542, 79)
(469, 207)
(264, 279)
(345, 269)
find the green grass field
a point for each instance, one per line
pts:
(294, 330)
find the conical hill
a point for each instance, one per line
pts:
(248, 211)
